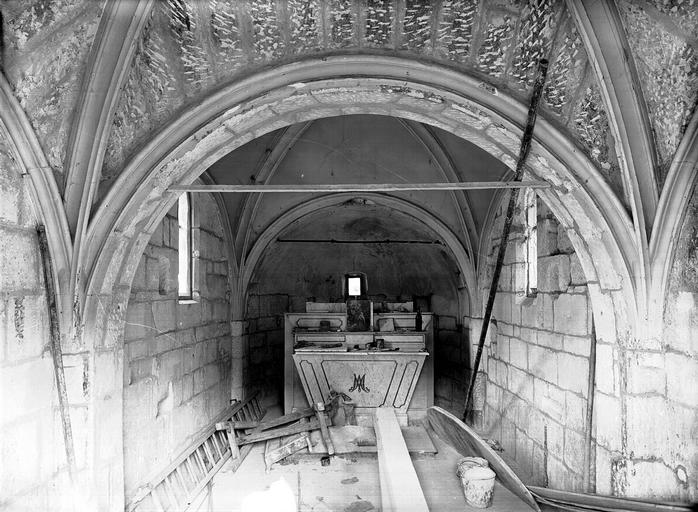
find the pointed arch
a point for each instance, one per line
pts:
(420, 215)
(17, 129)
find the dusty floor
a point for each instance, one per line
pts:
(348, 484)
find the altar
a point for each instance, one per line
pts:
(374, 368)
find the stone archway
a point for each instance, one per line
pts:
(458, 252)
(599, 226)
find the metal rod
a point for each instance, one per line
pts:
(56, 351)
(589, 459)
(362, 187)
(523, 153)
(334, 241)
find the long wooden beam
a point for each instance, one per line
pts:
(361, 187)
(541, 73)
(57, 352)
(400, 487)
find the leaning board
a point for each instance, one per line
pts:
(466, 441)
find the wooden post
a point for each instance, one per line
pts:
(400, 487)
(320, 412)
(56, 351)
(523, 153)
(589, 474)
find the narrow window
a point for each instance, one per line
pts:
(184, 274)
(354, 286)
(531, 213)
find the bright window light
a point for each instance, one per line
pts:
(354, 286)
(530, 199)
(184, 277)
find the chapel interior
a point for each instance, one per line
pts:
(306, 255)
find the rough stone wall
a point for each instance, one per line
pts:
(663, 384)
(188, 48)
(290, 274)
(538, 358)
(33, 470)
(265, 337)
(451, 364)
(662, 36)
(45, 52)
(177, 370)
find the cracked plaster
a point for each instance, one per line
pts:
(177, 55)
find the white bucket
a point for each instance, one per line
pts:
(478, 486)
(466, 463)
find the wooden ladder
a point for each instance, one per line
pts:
(177, 487)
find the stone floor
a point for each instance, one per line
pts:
(349, 483)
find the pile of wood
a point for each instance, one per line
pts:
(284, 436)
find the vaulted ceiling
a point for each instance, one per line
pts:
(98, 80)
(358, 149)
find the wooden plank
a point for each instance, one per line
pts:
(240, 404)
(603, 503)
(283, 420)
(287, 447)
(320, 413)
(187, 452)
(400, 487)
(244, 425)
(466, 441)
(215, 441)
(207, 478)
(278, 432)
(361, 187)
(360, 439)
(209, 454)
(232, 441)
(309, 444)
(199, 459)
(190, 470)
(56, 351)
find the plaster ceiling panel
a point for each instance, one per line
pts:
(456, 26)
(378, 24)
(473, 164)
(358, 149)
(240, 167)
(162, 67)
(662, 38)
(358, 219)
(46, 46)
(590, 121)
(416, 26)
(191, 48)
(304, 262)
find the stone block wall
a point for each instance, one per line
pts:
(291, 274)
(663, 383)
(452, 363)
(264, 328)
(537, 358)
(33, 471)
(177, 370)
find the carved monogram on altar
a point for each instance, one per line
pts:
(359, 384)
